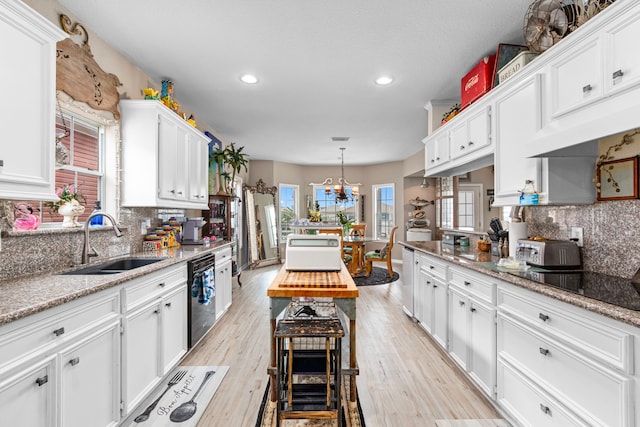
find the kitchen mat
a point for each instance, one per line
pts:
(180, 399)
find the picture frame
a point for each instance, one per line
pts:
(504, 54)
(618, 179)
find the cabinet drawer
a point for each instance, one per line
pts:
(223, 255)
(144, 289)
(53, 326)
(434, 267)
(602, 342)
(600, 395)
(477, 285)
(528, 404)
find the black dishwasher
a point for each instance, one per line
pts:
(202, 301)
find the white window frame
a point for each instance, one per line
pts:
(356, 202)
(477, 215)
(296, 207)
(376, 229)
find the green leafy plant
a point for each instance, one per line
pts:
(236, 160)
(68, 193)
(231, 158)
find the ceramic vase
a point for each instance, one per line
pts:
(70, 211)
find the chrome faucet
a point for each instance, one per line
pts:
(87, 250)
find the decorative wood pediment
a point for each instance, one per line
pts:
(80, 76)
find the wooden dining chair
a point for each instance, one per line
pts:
(360, 231)
(345, 257)
(384, 255)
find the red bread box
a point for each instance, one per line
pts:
(477, 82)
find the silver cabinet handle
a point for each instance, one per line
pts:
(433, 161)
(168, 304)
(435, 286)
(437, 158)
(543, 317)
(431, 267)
(544, 351)
(617, 74)
(462, 147)
(467, 283)
(545, 409)
(161, 284)
(58, 332)
(42, 380)
(461, 303)
(156, 311)
(470, 143)
(586, 88)
(74, 361)
(473, 310)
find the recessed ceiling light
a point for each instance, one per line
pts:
(384, 80)
(249, 79)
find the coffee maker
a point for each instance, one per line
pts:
(192, 231)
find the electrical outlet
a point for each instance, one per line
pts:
(577, 235)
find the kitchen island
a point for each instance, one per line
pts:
(337, 285)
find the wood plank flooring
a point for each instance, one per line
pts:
(404, 381)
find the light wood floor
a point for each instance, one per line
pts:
(404, 381)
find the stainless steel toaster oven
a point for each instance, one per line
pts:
(552, 254)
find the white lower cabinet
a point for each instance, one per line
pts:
(223, 281)
(61, 367)
(472, 326)
(28, 393)
(431, 298)
(89, 370)
(558, 366)
(527, 403)
(154, 331)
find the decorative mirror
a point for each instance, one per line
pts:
(262, 224)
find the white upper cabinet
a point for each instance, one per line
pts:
(472, 134)
(461, 145)
(592, 86)
(518, 116)
(27, 153)
(164, 158)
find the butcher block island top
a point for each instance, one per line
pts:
(332, 284)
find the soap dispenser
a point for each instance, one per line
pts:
(97, 221)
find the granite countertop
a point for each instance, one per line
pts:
(484, 263)
(29, 295)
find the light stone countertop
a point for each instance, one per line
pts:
(29, 295)
(473, 260)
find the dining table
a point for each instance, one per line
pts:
(357, 245)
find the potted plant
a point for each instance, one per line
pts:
(237, 160)
(219, 157)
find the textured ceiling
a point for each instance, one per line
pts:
(316, 61)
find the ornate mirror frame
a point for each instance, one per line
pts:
(262, 224)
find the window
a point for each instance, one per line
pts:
(289, 208)
(84, 145)
(329, 208)
(383, 210)
(444, 202)
(469, 206)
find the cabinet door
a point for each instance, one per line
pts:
(440, 304)
(198, 167)
(167, 149)
(470, 135)
(518, 118)
(458, 327)
(437, 150)
(141, 353)
(576, 78)
(174, 327)
(420, 290)
(622, 68)
(482, 345)
(27, 395)
(223, 288)
(90, 374)
(458, 141)
(27, 149)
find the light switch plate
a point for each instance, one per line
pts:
(577, 235)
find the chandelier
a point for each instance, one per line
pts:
(338, 189)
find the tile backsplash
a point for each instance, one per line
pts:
(611, 232)
(46, 250)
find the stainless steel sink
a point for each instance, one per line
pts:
(114, 267)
